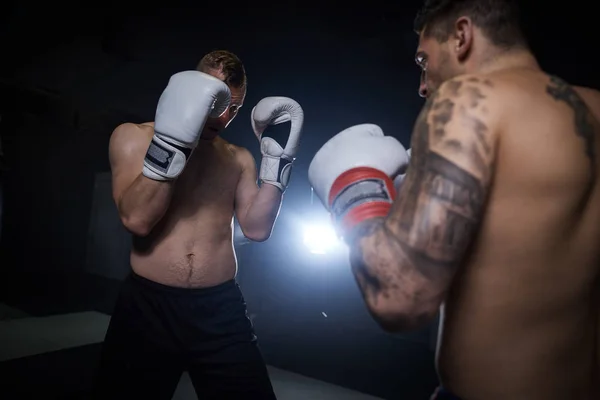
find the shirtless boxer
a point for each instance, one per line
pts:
(177, 186)
(497, 219)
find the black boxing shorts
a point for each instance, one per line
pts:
(156, 332)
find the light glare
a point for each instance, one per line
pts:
(320, 239)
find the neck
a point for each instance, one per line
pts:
(506, 59)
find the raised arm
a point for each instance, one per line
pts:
(141, 201)
(144, 170)
(405, 263)
(255, 208)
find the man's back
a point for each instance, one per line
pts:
(523, 312)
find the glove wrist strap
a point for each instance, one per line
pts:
(276, 171)
(165, 159)
(360, 194)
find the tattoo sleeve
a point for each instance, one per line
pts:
(408, 260)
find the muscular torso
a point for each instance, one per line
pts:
(192, 244)
(521, 320)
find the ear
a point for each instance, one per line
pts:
(463, 37)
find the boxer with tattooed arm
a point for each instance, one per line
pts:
(497, 220)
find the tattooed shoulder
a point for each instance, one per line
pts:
(452, 161)
(584, 128)
(458, 122)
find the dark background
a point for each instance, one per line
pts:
(70, 73)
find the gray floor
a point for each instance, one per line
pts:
(23, 336)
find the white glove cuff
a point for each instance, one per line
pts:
(164, 159)
(276, 171)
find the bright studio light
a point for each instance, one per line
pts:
(320, 238)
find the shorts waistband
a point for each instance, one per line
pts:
(201, 291)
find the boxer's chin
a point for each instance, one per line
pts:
(209, 133)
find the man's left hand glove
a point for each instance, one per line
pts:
(276, 165)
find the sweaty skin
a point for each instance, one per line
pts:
(498, 222)
(182, 229)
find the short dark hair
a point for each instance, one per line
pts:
(226, 62)
(498, 19)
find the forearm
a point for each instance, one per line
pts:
(373, 257)
(387, 277)
(261, 214)
(144, 203)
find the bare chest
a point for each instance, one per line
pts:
(209, 180)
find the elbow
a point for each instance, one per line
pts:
(136, 226)
(258, 236)
(134, 222)
(396, 323)
(394, 318)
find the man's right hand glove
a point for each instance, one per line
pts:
(352, 174)
(183, 108)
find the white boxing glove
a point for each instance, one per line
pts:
(276, 164)
(183, 108)
(352, 174)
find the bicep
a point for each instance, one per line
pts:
(127, 148)
(443, 197)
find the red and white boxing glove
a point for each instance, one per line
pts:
(352, 174)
